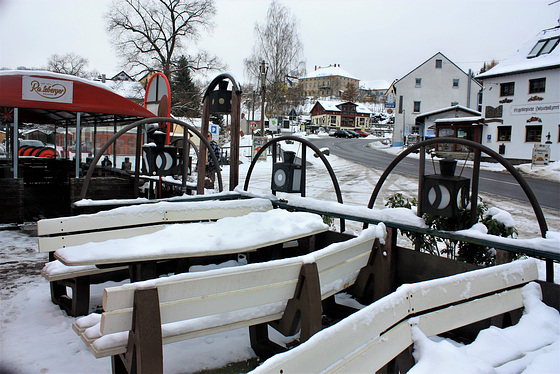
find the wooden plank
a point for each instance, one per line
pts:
(50, 244)
(164, 212)
(57, 271)
(472, 284)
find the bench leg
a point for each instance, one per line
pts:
(144, 349)
(304, 310)
(78, 305)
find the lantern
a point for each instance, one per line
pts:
(220, 99)
(445, 194)
(286, 176)
(159, 159)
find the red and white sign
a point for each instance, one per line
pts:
(51, 90)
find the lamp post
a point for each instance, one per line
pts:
(263, 71)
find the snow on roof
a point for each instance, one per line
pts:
(459, 119)
(331, 106)
(379, 84)
(519, 62)
(454, 107)
(330, 71)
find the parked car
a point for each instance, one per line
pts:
(362, 134)
(353, 134)
(332, 132)
(342, 134)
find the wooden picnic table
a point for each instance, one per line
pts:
(226, 236)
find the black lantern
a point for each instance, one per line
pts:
(286, 176)
(159, 159)
(444, 194)
(220, 100)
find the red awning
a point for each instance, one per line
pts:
(45, 97)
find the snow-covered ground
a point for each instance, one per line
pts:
(36, 336)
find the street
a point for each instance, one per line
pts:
(498, 183)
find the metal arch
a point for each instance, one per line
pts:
(217, 80)
(189, 141)
(138, 124)
(518, 177)
(316, 150)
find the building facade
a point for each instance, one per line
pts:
(436, 83)
(340, 115)
(328, 81)
(522, 93)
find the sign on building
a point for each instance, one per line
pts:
(215, 131)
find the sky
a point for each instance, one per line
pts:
(370, 39)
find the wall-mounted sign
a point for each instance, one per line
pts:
(51, 90)
(516, 110)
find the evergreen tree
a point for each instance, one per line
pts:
(185, 95)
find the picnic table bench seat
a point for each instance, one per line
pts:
(286, 293)
(118, 223)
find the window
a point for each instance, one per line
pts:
(417, 106)
(533, 133)
(438, 64)
(504, 133)
(507, 89)
(400, 104)
(418, 82)
(455, 83)
(543, 47)
(537, 85)
(333, 120)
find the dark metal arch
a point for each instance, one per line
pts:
(518, 177)
(138, 124)
(315, 149)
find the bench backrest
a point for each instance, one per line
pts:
(265, 287)
(373, 336)
(130, 221)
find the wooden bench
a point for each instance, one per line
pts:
(118, 223)
(139, 317)
(369, 339)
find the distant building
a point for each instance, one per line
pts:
(436, 83)
(329, 81)
(523, 91)
(338, 114)
(373, 91)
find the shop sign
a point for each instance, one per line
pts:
(540, 154)
(50, 90)
(534, 109)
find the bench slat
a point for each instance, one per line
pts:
(389, 345)
(152, 214)
(55, 270)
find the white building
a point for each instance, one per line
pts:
(437, 83)
(524, 92)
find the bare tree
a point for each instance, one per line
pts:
(350, 93)
(277, 43)
(69, 63)
(149, 33)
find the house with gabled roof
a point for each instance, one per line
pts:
(340, 114)
(434, 84)
(328, 81)
(522, 93)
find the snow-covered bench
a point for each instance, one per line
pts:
(369, 339)
(139, 317)
(118, 223)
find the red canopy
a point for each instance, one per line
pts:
(45, 97)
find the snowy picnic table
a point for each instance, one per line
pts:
(226, 236)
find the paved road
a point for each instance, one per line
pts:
(498, 183)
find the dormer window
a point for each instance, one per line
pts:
(543, 47)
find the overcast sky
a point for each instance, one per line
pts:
(370, 39)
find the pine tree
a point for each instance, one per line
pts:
(185, 95)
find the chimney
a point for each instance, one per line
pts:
(315, 67)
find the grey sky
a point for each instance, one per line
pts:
(371, 39)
